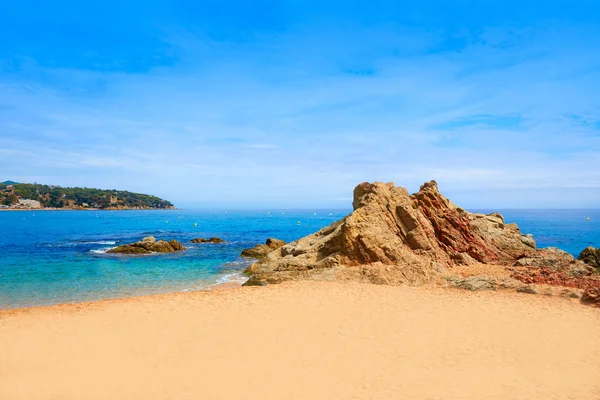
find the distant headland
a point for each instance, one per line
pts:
(19, 196)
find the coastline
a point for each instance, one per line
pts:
(304, 340)
(90, 209)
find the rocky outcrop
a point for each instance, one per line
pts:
(557, 260)
(552, 266)
(148, 245)
(209, 240)
(261, 250)
(590, 256)
(550, 257)
(392, 237)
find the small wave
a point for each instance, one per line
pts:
(236, 277)
(99, 251)
(79, 243)
(101, 242)
(59, 244)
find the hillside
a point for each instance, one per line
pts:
(27, 195)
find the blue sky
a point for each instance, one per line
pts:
(293, 103)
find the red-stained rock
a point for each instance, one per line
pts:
(552, 266)
(548, 276)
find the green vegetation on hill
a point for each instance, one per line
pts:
(59, 197)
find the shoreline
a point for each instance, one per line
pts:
(94, 303)
(304, 340)
(233, 285)
(78, 304)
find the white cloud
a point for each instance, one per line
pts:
(288, 123)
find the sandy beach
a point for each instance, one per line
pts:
(305, 340)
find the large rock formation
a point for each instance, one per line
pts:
(148, 245)
(392, 237)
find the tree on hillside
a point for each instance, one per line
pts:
(9, 200)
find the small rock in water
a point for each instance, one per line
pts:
(148, 245)
(210, 240)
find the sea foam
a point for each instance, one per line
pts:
(99, 251)
(234, 277)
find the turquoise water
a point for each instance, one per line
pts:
(51, 257)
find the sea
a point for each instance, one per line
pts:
(56, 257)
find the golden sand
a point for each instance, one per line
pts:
(306, 340)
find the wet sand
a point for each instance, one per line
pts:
(305, 340)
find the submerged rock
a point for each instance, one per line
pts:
(209, 240)
(148, 245)
(392, 237)
(261, 250)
